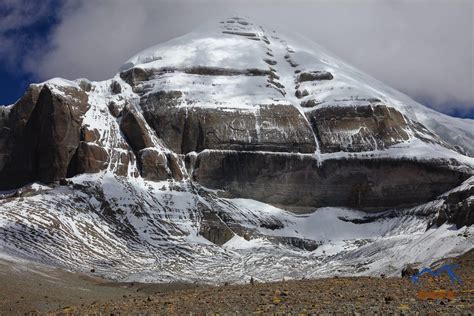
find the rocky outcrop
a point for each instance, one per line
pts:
(135, 131)
(213, 228)
(298, 180)
(136, 75)
(314, 76)
(91, 158)
(268, 128)
(115, 87)
(153, 165)
(13, 122)
(89, 134)
(458, 208)
(361, 128)
(44, 135)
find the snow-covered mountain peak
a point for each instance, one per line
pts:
(235, 64)
(228, 145)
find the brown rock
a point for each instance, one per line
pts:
(91, 158)
(153, 164)
(279, 128)
(134, 130)
(122, 162)
(134, 76)
(85, 85)
(409, 271)
(114, 109)
(361, 128)
(310, 103)
(174, 166)
(89, 135)
(44, 136)
(458, 208)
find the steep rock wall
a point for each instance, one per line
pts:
(298, 180)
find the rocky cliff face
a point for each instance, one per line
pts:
(244, 113)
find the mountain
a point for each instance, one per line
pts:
(228, 153)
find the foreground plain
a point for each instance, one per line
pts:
(38, 289)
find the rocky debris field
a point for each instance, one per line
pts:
(357, 295)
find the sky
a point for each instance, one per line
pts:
(423, 48)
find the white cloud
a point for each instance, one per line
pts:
(423, 48)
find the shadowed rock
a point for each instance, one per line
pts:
(91, 158)
(315, 76)
(297, 180)
(45, 136)
(135, 130)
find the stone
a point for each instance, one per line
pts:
(91, 158)
(315, 76)
(135, 131)
(310, 103)
(301, 94)
(212, 228)
(89, 135)
(409, 271)
(174, 165)
(84, 84)
(153, 165)
(458, 208)
(115, 87)
(114, 109)
(135, 75)
(44, 136)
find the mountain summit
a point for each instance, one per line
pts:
(232, 152)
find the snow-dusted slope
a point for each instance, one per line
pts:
(151, 232)
(240, 45)
(228, 153)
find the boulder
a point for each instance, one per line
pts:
(114, 109)
(409, 271)
(134, 76)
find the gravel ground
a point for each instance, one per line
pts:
(40, 290)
